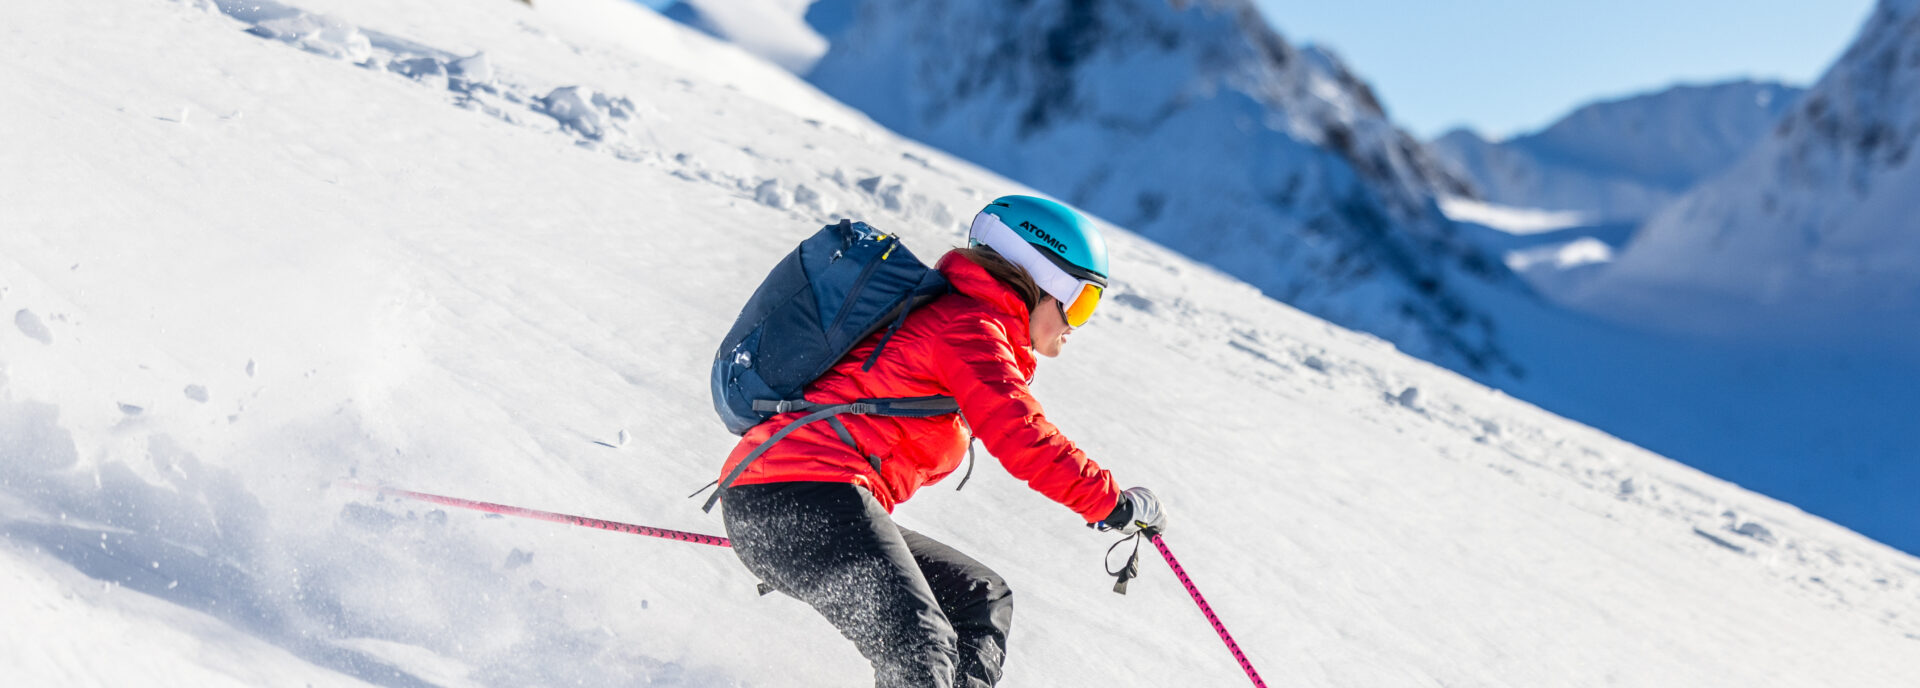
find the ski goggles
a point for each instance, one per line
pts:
(1078, 290)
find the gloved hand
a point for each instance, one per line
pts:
(1138, 510)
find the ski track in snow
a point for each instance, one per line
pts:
(600, 121)
(369, 587)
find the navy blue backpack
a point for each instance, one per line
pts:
(838, 287)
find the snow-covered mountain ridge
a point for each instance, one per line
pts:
(1619, 160)
(1812, 234)
(252, 253)
(1198, 125)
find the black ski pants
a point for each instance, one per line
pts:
(924, 614)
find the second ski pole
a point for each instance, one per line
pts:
(539, 515)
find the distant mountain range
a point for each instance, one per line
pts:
(1620, 160)
(1815, 233)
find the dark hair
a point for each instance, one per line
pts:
(1014, 276)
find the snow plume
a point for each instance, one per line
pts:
(340, 591)
(1202, 128)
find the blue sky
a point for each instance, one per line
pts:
(1510, 66)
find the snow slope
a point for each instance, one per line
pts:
(1811, 236)
(1197, 125)
(249, 249)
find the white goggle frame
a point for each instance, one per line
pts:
(989, 230)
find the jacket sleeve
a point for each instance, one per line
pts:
(974, 361)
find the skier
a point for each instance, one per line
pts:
(810, 517)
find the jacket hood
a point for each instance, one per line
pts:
(967, 277)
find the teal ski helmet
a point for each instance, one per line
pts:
(1065, 237)
(1057, 247)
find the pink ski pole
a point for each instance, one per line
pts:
(1207, 609)
(537, 514)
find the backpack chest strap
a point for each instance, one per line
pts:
(904, 407)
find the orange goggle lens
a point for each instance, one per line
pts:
(1082, 307)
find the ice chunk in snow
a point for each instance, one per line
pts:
(771, 195)
(318, 34)
(476, 70)
(888, 192)
(31, 326)
(1408, 398)
(419, 68)
(573, 107)
(587, 113)
(1755, 531)
(809, 198)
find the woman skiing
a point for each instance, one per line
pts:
(810, 516)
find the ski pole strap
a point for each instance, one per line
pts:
(1205, 608)
(1131, 570)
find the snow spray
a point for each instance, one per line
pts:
(683, 536)
(1206, 609)
(537, 514)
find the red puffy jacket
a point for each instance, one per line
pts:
(970, 344)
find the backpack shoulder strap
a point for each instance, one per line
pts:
(930, 288)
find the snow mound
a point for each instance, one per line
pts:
(317, 34)
(591, 115)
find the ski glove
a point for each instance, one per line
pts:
(1138, 510)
